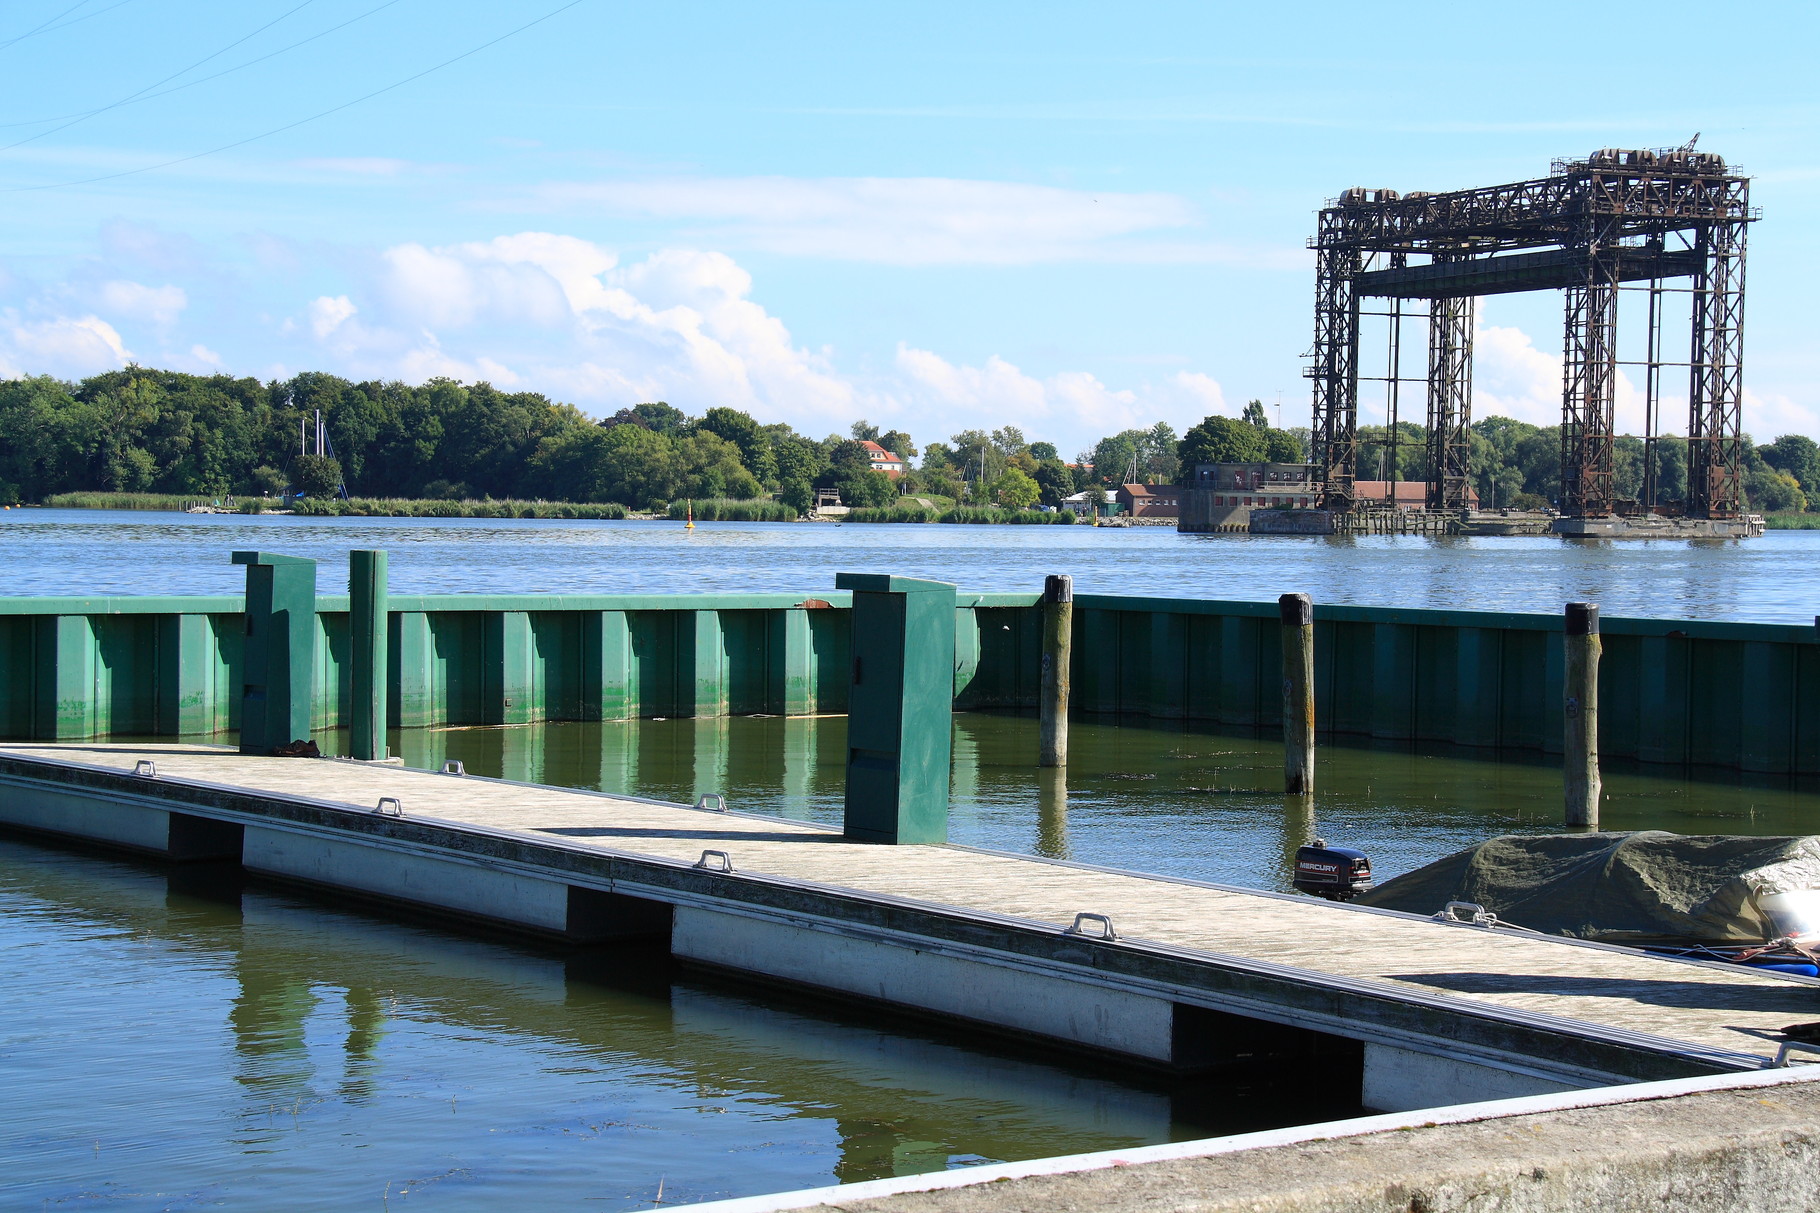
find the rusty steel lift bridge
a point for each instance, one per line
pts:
(1589, 229)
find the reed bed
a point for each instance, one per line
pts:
(383, 507)
(975, 514)
(730, 509)
(128, 501)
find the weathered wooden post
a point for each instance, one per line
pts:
(900, 709)
(1580, 715)
(1058, 644)
(367, 640)
(278, 662)
(1297, 614)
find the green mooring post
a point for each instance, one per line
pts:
(900, 708)
(367, 639)
(278, 665)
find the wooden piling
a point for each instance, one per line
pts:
(1580, 753)
(367, 636)
(1058, 641)
(1297, 614)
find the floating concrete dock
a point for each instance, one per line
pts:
(1170, 973)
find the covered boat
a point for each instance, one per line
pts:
(1644, 888)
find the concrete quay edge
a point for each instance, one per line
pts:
(1420, 1162)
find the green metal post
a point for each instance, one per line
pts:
(367, 635)
(899, 708)
(66, 708)
(279, 663)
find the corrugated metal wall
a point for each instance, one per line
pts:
(1744, 696)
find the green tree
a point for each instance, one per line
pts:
(1053, 481)
(864, 431)
(1283, 446)
(1015, 490)
(744, 433)
(797, 493)
(798, 458)
(1041, 451)
(1799, 456)
(1116, 459)
(898, 443)
(1254, 415)
(1222, 440)
(709, 466)
(975, 457)
(1771, 491)
(316, 476)
(661, 417)
(1160, 464)
(1008, 440)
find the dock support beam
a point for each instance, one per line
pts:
(1058, 646)
(279, 660)
(900, 722)
(1580, 753)
(367, 609)
(1297, 614)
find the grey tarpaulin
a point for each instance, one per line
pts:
(1645, 887)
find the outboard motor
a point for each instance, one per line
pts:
(1336, 873)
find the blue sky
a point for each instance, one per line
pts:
(1073, 218)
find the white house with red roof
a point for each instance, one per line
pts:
(883, 460)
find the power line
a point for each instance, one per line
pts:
(154, 84)
(48, 28)
(39, 29)
(239, 67)
(279, 130)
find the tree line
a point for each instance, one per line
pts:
(145, 430)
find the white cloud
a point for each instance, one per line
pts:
(903, 220)
(560, 312)
(70, 346)
(159, 305)
(1769, 415)
(328, 314)
(1072, 408)
(565, 316)
(1513, 378)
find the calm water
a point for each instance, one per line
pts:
(169, 1040)
(1179, 801)
(176, 1041)
(1776, 578)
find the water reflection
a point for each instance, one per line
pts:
(1052, 812)
(1181, 800)
(287, 1055)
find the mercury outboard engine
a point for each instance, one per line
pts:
(1336, 873)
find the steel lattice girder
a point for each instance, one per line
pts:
(1607, 215)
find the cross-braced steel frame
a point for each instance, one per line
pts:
(1615, 217)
